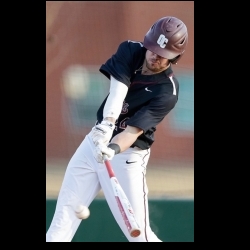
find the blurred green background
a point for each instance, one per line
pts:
(172, 221)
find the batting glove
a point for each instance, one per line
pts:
(102, 132)
(102, 149)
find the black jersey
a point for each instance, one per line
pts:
(150, 97)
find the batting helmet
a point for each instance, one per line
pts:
(167, 38)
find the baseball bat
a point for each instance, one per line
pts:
(123, 203)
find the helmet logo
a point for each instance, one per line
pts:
(162, 41)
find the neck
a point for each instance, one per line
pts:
(147, 71)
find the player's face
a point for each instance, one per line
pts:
(155, 62)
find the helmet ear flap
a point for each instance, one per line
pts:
(174, 60)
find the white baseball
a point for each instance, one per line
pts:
(82, 212)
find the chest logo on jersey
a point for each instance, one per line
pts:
(147, 89)
(124, 108)
(122, 124)
(162, 41)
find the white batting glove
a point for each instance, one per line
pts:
(102, 133)
(102, 149)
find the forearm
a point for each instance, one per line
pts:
(110, 119)
(102, 132)
(126, 138)
(113, 105)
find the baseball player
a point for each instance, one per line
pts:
(143, 90)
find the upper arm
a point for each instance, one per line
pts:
(153, 113)
(128, 57)
(133, 131)
(127, 137)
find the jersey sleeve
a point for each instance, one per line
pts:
(122, 64)
(153, 113)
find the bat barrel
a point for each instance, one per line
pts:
(122, 202)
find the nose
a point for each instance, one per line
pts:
(155, 56)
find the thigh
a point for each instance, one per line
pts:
(80, 186)
(81, 181)
(130, 170)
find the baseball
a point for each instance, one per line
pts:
(82, 212)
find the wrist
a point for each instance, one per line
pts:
(115, 147)
(111, 125)
(110, 119)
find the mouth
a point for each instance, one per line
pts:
(154, 61)
(154, 64)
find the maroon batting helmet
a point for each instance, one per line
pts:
(167, 38)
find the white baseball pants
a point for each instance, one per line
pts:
(85, 177)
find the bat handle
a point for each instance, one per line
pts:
(108, 166)
(105, 157)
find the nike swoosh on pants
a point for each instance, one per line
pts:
(129, 162)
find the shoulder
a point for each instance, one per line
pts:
(131, 44)
(122, 65)
(167, 87)
(131, 47)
